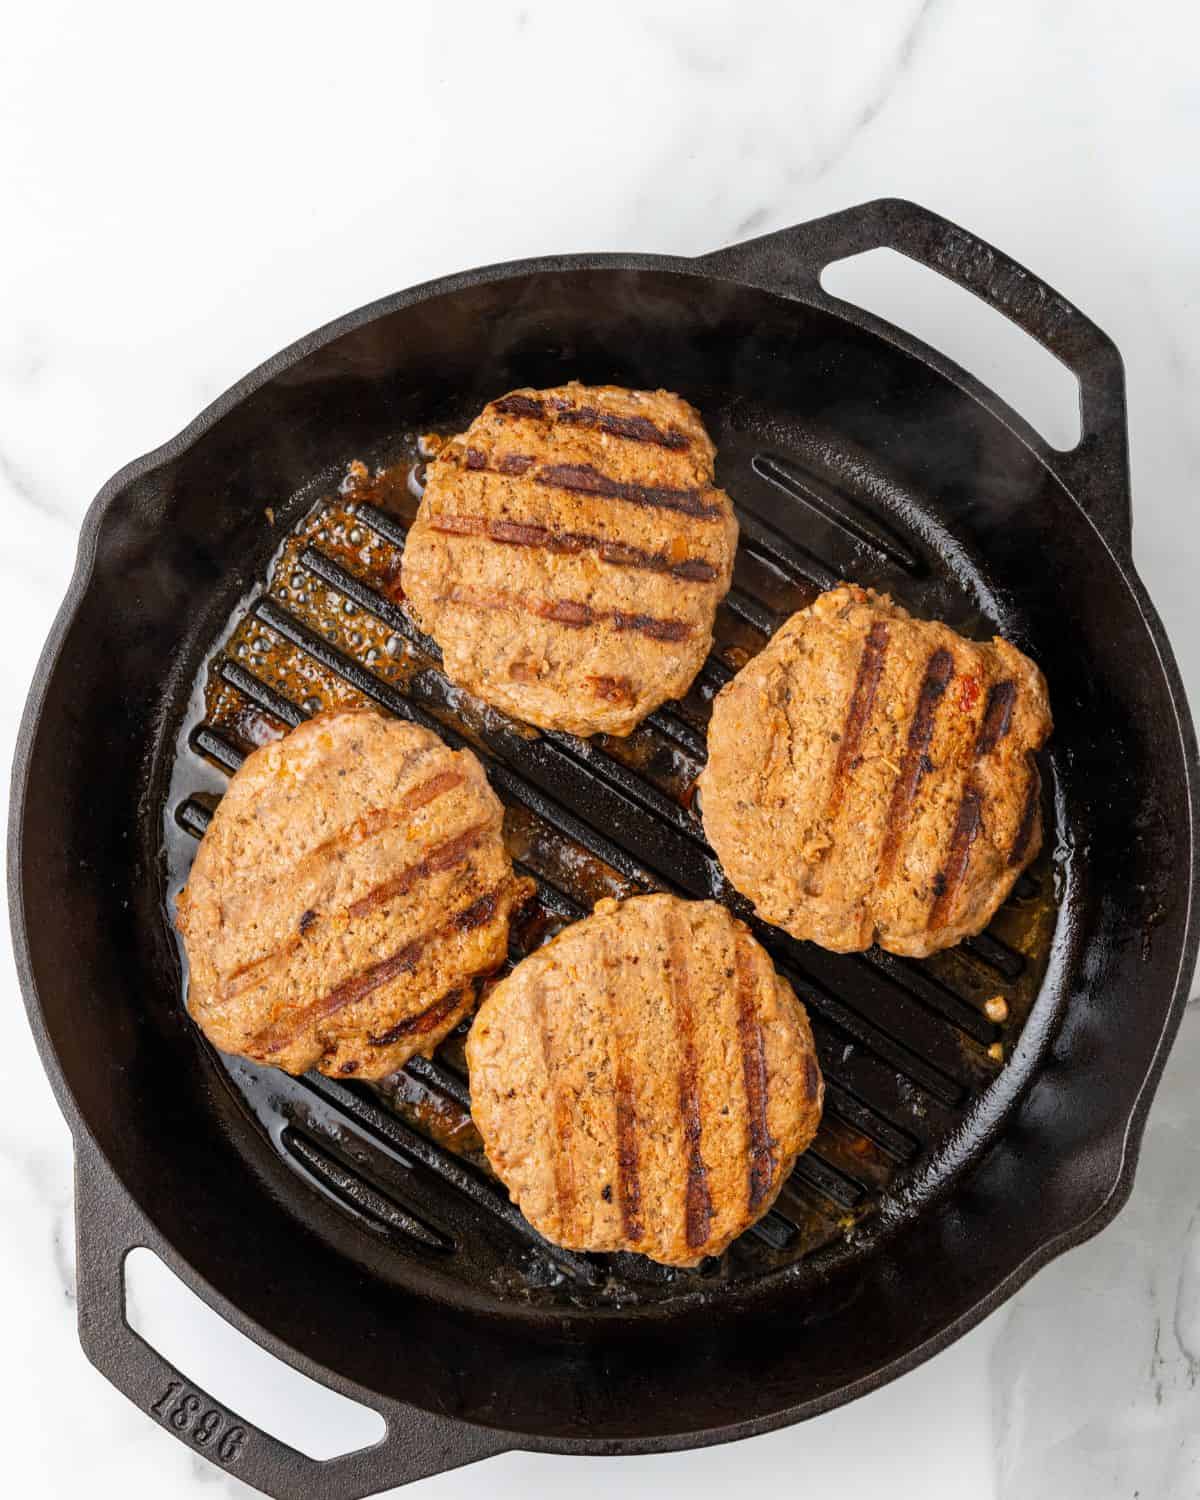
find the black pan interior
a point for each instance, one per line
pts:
(864, 463)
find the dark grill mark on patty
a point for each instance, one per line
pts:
(444, 857)
(638, 429)
(812, 1077)
(289, 1028)
(515, 463)
(862, 700)
(567, 612)
(519, 406)
(690, 569)
(657, 630)
(571, 543)
(378, 820)
(1029, 814)
(754, 1076)
(629, 1186)
(629, 1189)
(916, 762)
(698, 1206)
(966, 829)
(478, 914)
(698, 1203)
(428, 791)
(424, 1020)
(279, 1034)
(997, 717)
(583, 479)
(570, 612)
(561, 1125)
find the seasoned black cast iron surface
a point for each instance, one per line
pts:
(359, 1228)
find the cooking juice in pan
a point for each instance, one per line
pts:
(326, 632)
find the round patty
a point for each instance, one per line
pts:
(352, 885)
(645, 1081)
(570, 552)
(871, 777)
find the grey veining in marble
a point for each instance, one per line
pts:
(1094, 1372)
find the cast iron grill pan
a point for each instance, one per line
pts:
(905, 1046)
(355, 1230)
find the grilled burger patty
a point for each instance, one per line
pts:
(570, 552)
(871, 777)
(352, 885)
(645, 1081)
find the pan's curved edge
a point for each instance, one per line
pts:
(90, 532)
(1135, 1126)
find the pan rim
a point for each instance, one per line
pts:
(1126, 1153)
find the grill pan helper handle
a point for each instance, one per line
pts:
(1096, 471)
(108, 1227)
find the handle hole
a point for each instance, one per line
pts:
(252, 1383)
(953, 320)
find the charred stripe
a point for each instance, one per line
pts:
(862, 700)
(637, 429)
(938, 674)
(1029, 814)
(478, 914)
(517, 405)
(570, 543)
(997, 717)
(657, 630)
(562, 1129)
(444, 857)
(583, 479)
(812, 1077)
(424, 1021)
(375, 821)
(274, 1038)
(755, 1079)
(966, 829)
(429, 791)
(698, 1206)
(628, 1165)
(629, 1188)
(570, 612)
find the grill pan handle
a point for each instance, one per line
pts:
(1096, 471)
(108, 1227)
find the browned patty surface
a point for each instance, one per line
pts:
(871, 777)
(352, 885)
(570, 552)
(645, 1081)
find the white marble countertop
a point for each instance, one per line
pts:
(186, 191)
